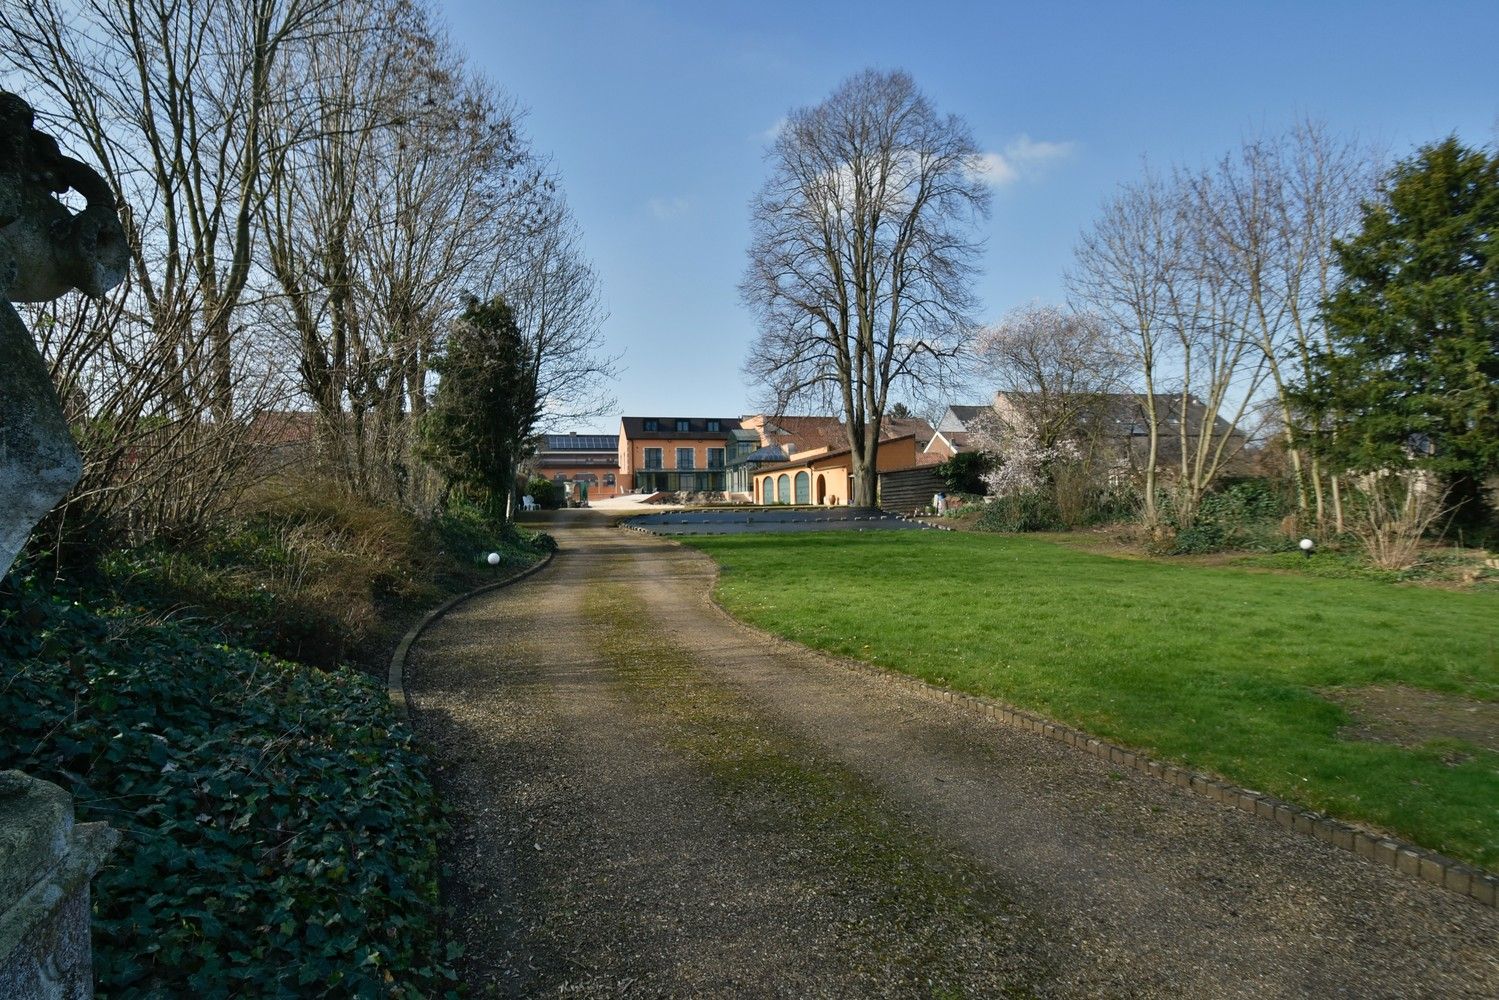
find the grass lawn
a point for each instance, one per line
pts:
(1216, 668)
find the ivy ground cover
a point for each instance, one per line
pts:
(1227, 670)
(279, 831)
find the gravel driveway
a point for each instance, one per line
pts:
(650, 800)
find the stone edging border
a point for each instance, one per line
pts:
(395, 681)
(1410, 859)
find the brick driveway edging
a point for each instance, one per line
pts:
(395, 680)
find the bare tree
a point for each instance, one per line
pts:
(553, 289)
(859, 262)
(1153, 266)
(1273, 210)
(1125, 266)
(406, 187)
(457, 193)
(1207, 311)
(174, 98)
(1056, 366)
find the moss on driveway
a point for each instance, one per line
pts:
(1218, 668)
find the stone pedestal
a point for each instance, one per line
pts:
(46, 863)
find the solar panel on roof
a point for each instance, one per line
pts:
(581, 442)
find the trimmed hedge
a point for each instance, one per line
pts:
(280, 832)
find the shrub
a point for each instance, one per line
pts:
(279, 827)
(544, 492)
(964, 472)
(1391, 514)
(1241, 514)
(1028, 511)
(311, 573)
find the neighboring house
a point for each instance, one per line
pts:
(824, 476)
(953, 433)
(580, 458)
(1117, 422)
(671, 454)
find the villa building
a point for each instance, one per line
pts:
(728, 455)
(670, 454)
(1115, 422)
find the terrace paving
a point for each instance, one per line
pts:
(772, 521)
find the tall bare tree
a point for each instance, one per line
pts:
(1273, 209)
(175, 99)
(554, 292)
(1125, 266)
(1219, 370)
(1058, 366)
(860, 260)
(1154, 266)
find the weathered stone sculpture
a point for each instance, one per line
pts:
(46, 861)
(45, 250)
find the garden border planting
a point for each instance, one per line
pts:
(1391, 852)
(395, 681)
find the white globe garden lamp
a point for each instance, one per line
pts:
(493, 559)
(1307, 545)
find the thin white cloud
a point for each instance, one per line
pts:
(993, 168)
(1024, 157)
(770, 134)
(669, 208)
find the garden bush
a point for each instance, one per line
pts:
(279, 828)
(311, 573)
(1029, 511)
(964, 472)
(544, 492)
(1242, 514)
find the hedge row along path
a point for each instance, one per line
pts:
(652, 801)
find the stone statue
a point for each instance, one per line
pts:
(46, 860)
(45, 250)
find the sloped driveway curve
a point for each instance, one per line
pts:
(651, 801)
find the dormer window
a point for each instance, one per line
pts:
(714, 425)
(684, 426)
(652, 425)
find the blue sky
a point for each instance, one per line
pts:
(656, 115)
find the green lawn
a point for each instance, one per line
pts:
(1216, 668)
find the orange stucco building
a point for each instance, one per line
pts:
(660, 454)
(824, 477)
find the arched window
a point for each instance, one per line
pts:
(783, 488)
(803, 488)
(767, 490)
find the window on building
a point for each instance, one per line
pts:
(713, 425)
(653, 458)
(686, 458)
(608, 479)
(652, 425)
(715, 458)
(684, 425)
